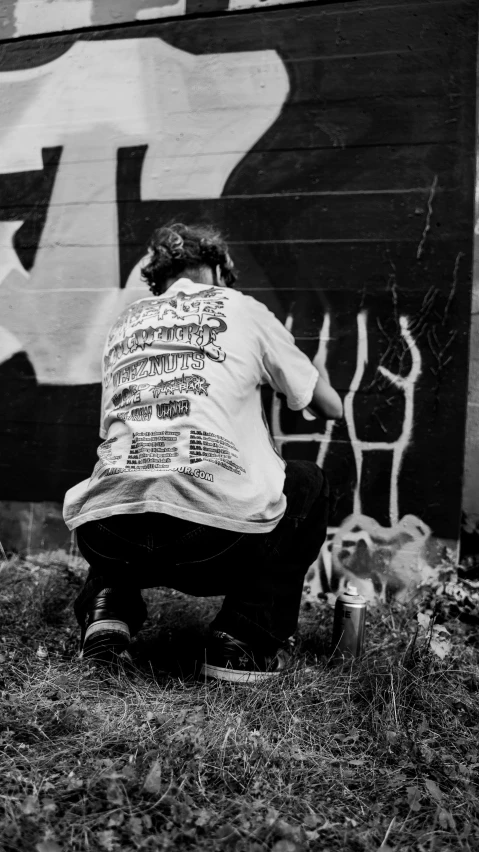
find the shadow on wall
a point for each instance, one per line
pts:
(382, 562)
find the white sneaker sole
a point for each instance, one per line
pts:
(236, 675)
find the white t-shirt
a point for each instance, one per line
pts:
(182, 421)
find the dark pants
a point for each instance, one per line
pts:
(260, 574)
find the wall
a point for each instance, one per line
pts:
(470, 499)
(31, 17)
(335, 145)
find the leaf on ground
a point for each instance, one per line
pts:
(153, 781)
(285, 829)
(203, 817)
(424, 726)
(48, 806)
(285, 845)
(296, 754)
(348, 773)
(440, 645)
(397, 779)
(464, 770)
(433, 789)
(324, 827)
(446, 819)
(440, 628)
(128, 771)
(196, 716)
(114, 793)
(423, 620)
(311, 835)
(427, 753)
(30, 806)
(74, 783)
(135, 824)
(413, 798)
(327, 825)
(48, 846)
(228, 834)
(107, 839)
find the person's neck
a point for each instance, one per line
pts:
(202, 275)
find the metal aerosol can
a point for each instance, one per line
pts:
(348, 626)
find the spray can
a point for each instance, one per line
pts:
(348, 626)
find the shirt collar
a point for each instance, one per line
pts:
(187, 284)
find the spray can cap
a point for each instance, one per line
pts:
(351, 590)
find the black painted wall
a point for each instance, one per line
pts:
(357, 201)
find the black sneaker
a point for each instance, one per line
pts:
(227, 658)
(105, 634)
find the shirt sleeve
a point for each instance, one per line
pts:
(103, 429)
(285, 367)
(103, 432)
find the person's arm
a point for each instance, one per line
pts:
(326, 402)
(290, 372)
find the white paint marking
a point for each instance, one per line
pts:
(361, 361)
(165, 11)
(324, 337)
(323, 438)
(9, 260)
(43, 16)
(9, 345)
(237, 5)
(398, 447)
(198, 115)
(407, 384)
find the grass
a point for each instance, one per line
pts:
(379, 755)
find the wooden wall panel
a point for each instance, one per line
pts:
(335, 144)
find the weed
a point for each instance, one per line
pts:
(378, 755)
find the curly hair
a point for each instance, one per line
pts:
(178, 248)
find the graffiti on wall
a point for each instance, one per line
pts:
(197, 115)
(27, 17)
(380, 560)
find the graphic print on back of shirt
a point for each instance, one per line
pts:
(158, 324)
(190, 383)
(156, 365)
(189, 319)
(183, 384)
(148, 451)
(206, 446)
